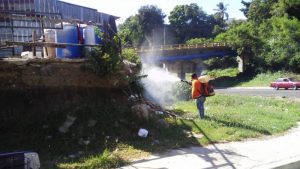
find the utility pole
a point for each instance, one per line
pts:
(33, 40)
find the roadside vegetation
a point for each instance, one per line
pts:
(264, 79)
(229, 118)
(105, 160)
(104, 134)
(230, 77)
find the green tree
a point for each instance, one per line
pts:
(130, 32)
(220, 18)
(289, 7)
(243, 38)
(260, 10)
(190, 21)
(150, 18)
(221, 11)
(269, 39)
(292, 7)
(281, 43)
(139, 28)
(246, 9)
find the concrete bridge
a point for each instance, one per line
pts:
(183, 58)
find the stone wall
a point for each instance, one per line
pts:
(19, 74)
(37, 87)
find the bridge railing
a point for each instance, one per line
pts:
(182, 46)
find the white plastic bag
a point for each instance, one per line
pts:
(143, 132)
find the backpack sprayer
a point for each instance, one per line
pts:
(210, 88)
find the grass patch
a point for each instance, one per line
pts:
(105, 160)
(113, 140)
(229, 72)
(231, 118)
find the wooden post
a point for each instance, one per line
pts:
(12, 35)
(33, 40)
(43, 32)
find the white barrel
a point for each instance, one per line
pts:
(90, 36)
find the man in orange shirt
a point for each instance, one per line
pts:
(199, 92)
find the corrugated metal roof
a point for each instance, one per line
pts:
(84, 14)
(45, 6)
(76, 12)
(76, 5)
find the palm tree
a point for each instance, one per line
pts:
(221, 11)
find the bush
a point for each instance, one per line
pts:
(131, 55)
(105, 59)
(103, 62)
(182, 91)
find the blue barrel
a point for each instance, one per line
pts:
(69, 34)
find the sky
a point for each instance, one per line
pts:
(127, 8)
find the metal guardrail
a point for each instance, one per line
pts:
(182, 46)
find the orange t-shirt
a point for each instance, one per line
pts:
(196, 89)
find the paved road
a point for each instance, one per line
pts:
(261, 91)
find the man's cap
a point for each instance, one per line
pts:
(194, 75)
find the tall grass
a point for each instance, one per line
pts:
(104, 160)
